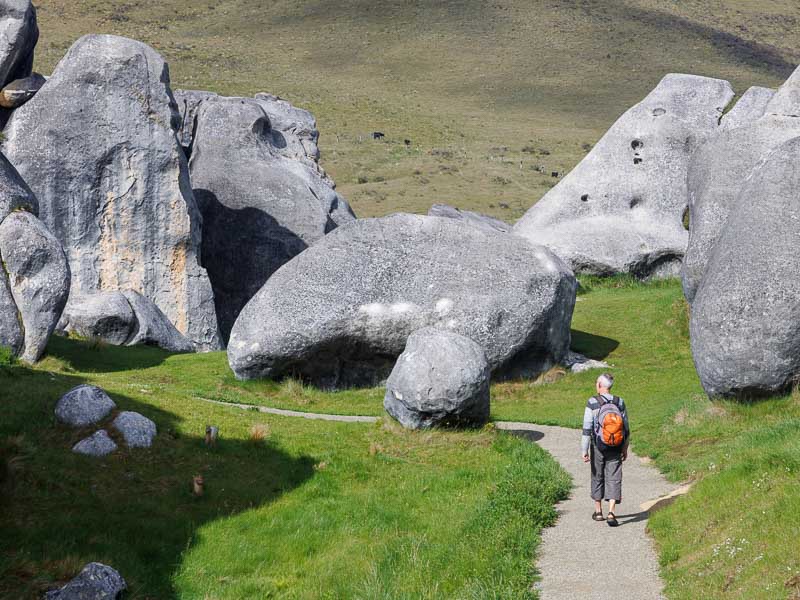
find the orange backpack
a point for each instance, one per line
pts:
(609, 428)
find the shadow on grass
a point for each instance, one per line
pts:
(134, 509)
(87, 357)
(593, 346)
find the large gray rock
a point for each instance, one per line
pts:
(18, 36)
(745, 325)
(474, 219)
(293, 129)
(719, 169)
(38, 278)
(98, 444)
(441, 378)
(84, 405)
(340, 313)
(153, 328)
(748, 108)
(95, 582)
(621, 209)
(260, 208)
(19, 91)
(97, 145)
(138, 430)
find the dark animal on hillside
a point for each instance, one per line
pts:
(378, 135)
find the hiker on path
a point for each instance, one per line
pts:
(605, 444)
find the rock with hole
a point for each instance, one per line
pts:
(339, 313)
(720, 168)
(84, 405)
(97, 144)
(441, 379)
(621, 209)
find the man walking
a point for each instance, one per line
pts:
(605, 444)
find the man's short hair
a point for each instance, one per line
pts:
(606, 380)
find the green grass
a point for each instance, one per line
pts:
(292, 509)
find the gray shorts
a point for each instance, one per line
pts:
(606, 475)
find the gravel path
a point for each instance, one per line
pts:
(570, 561)
(569, 558)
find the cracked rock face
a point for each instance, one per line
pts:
(745, 325)
(621, 209)
(84, 405)
(261, 206)
(340, 313)
(19, 34)
(97, 144)
(722, 166)
(440, 379)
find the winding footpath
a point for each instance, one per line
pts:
(569, 560)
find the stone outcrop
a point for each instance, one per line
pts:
(745, 325)
(340, 313)
(720, 168)
(121, 318)
(84, 405)
(95, 582)
(260, 206)
(474, 219)
(440, 379)
(19, 34)
(97, 145)
(621, 209)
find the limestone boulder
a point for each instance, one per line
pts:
(98, 146)
(19, 91)
(634, 181)
(720, 168)
(294, 129)
(260, 208)
(138, 430)
(745, 325)
(153, 328)
(98, 444)
(38, 278)
(474, 219)
(339, 313)
(96, 581)
(750, 107)
(440, 379)
(19, 34)
(84, 405)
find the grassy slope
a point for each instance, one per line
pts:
(486, 91)
(293, 508)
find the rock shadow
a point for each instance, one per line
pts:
(134, 509)
(593, 346)
(242, 248)
(93, 357)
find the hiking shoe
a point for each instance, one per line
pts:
(598, 516)
(612, 520)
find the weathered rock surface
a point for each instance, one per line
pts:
(97, 444)
(153, 328)
(95, 582)
(340, 313)
(19, 91)
(441, 378)
(105, 316)
(474, 219)
(260, 208)
(18, 36)
(189, 102)
(293, 129)
(749, 107)
(621, 209)
(745, 325)
(38, 278)
(97, 145)
(719, 169)
(84, 405)
(138, 430)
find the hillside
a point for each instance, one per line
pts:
(494, 97)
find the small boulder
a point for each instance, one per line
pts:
(138, 430)
(578, 363)
(440, 379)
(474, 219)
(84, 405)
(38, 278)
(19, 91)
(97, 444)
(106, 316)
(95, 582)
